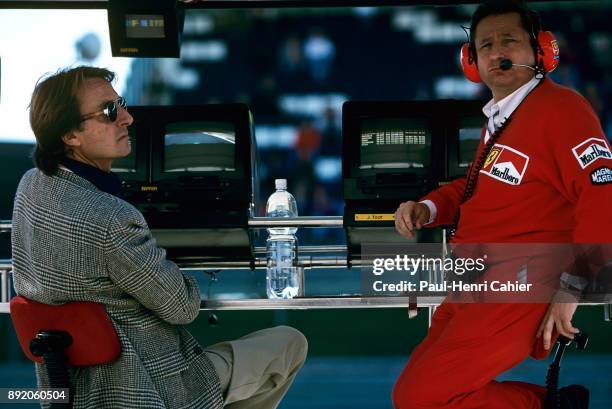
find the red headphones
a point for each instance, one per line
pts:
(547, 52)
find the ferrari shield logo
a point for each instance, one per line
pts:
(506, 164)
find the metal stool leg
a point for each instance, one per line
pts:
(552, 376)
(51, 345)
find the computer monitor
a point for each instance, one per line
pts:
(389, 149)
(191, 165)
(196, 177)
(463, 135)
(399, 151)
(202, 156)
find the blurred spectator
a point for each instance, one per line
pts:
(601, 48)
(591, 93)
(319, 51)
(302, 184)
(567, 72)
(290, 56)
(324, 205)
(308, 141)
(331, 133)
(88, 48)
(263, 101)
(307, 144)
(160, 92)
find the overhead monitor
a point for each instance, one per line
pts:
(145, 28)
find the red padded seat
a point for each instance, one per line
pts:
(94, 339)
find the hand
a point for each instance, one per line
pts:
(410, 215)
(559, 317)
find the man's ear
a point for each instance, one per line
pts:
(71, 139)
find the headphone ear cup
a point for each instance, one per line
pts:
(550, 48)
(468, 64)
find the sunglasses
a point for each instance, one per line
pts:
(110, 110)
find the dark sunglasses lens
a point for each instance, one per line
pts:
(113, 108)
(112, 111)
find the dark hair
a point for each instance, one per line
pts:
(55, 111)
(530, 20)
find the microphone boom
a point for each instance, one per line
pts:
(507, 63)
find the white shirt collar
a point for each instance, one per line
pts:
(508, 104)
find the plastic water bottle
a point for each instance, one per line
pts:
(282, 280)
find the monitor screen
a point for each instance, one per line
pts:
(470, 130)
(127, 164)
(395, 143)
(199, 147)
(144, 26)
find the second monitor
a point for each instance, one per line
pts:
(395, 151)
(192, 173)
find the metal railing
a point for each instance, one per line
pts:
(300, 221)
(260, 222)
(5, 285)
(5, 226)
(306, 259)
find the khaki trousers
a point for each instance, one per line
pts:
(257, 370)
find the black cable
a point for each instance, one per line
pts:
(473, 173)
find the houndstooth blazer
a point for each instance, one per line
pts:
(72, 241)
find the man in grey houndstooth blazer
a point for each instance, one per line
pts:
(75, 240)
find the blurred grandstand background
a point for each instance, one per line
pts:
(295, 68)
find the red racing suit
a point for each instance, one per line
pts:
(547, 179)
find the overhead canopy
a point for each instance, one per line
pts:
(102, 4)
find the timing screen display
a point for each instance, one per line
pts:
(200, 147)
(395, 143)
(144, 26)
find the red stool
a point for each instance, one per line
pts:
(76, 333)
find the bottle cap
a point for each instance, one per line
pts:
(280, 184)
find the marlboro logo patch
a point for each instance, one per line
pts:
(590, 150)
(506, 164)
